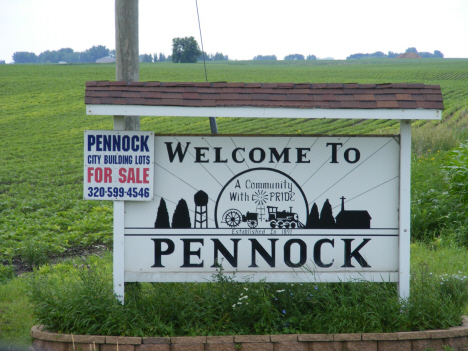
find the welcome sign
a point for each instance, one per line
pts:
(280, 208)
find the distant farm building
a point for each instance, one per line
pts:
(352, 219)
(409, 55)
(106, 59)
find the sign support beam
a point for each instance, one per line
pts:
(405, 209)
(119, 251)
(118, 270)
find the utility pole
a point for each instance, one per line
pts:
(127, 66)
(127, 62)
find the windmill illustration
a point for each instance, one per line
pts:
(260, 198)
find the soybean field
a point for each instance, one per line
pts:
(42, 120)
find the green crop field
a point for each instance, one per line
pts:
(42, 119)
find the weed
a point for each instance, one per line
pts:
(34, 253)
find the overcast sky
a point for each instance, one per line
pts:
(243, 29)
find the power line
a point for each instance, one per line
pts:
(213, 126)
(201, 40)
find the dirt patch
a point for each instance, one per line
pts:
(22, 267)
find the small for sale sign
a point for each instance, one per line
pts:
(118, 165)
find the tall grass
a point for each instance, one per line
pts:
(439, 211)
(16, 316)
(435, 136)
(82, 302)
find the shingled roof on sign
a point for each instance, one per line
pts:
(271, 95)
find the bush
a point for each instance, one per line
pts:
(457, 171)
(440, 198)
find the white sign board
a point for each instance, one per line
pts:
(118, 165)
(276, 208)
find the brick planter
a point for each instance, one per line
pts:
(456, 337)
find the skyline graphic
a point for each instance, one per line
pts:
(318, 179)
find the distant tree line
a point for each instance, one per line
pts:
(425, 54)
(391, 54)
(377, 54)
(186, 50)
(66, 55)
(265, 57)
(183, 50)
(300, 57)
(155, 58)
(216, 57)
(162, 58)
(289, 57)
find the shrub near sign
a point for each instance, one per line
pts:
(272, 208)
(118, 165)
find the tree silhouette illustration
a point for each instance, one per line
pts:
(162, 218)
(327, 220)
(313, 220)
(181, 217)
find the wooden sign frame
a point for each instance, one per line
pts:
(406, 105)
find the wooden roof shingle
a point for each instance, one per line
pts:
(271, 95)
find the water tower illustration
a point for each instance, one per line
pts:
(201, 209)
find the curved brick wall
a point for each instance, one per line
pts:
(456, 337)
